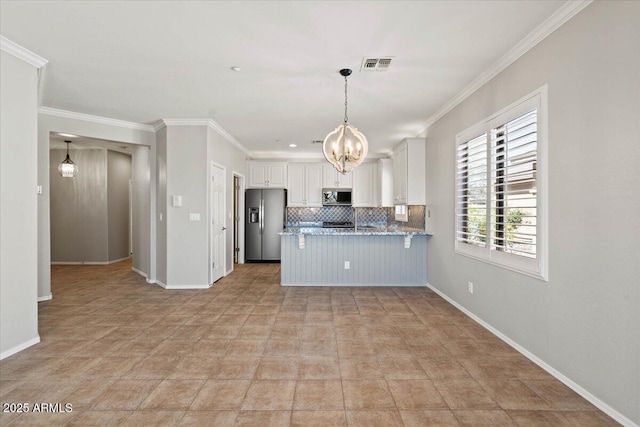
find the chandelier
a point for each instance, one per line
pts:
(67, 168)
(345, 147)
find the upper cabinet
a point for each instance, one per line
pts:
(385, 183)
(267, 174)
(409, 178)
(364, 185)
(334, 179)
(305, 185)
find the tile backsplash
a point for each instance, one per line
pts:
(369, 216)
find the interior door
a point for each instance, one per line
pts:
(218, 228)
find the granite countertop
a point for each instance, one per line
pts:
(358, 231)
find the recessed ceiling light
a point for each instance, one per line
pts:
(292, 145)
(67, 135)
(235, 68)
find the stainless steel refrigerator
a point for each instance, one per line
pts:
(264, 219)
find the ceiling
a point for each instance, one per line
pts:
(144, 61)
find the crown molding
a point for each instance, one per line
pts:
(94, 119)
(291, 155)
(20, 52)
(203, 122)
(555, 21)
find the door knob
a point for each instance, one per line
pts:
(224, 228)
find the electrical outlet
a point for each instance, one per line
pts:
(470, 287)
(347, 265)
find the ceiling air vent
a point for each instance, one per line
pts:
(376, 64)
(317, 141)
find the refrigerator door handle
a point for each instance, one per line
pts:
(261, 216)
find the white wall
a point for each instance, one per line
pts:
(187, 241)
(161, 206)
(223, 152)
(141, 187)
(92, 127)
(18, 210)
(584, 322)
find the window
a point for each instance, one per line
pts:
(500, 189)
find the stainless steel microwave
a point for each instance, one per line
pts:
(336, 197)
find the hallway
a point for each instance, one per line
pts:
(250, 352)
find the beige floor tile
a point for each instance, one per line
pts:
(98, 418)
(464, 394)
(440, 418)
(416, 394)
(318, 395)
(356, 349)
(482, 418)
(319, 368)
(173, 394)
(401, 368)
(374, 419)
(153, 367)
(234, 368)
(208, 418)
(360, 368)
(513, 394)
(270, 395)
(277, 369)
(282, 348)
(559, 396)
(153, 418)
(124, 395)
(221, 394)
(263, 419)
(318, 419)
(246, 347)
(443, 368)
(367, 394)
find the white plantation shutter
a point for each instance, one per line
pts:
(500, 194)
(514, 148)
(471, 207)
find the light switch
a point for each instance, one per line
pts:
(39, 189)
(194, 217)
(177, 201)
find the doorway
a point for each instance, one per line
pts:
(218, 228)
(238, 218)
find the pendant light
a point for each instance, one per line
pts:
(67, 169)
(345, 147)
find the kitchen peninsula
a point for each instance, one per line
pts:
(360, 256)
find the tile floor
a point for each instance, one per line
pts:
(248, 352)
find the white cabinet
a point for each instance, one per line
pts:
(334, 179)
(304, 185)
(364, 185)
(385, 183)
(267, 174)
(409, 177)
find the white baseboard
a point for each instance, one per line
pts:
(228, 272)
(45, 298)
(152, 282)
(174, 287)
(142, 273)
(20, 347)
(355, 285)
(89, 262)
(535, 359)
